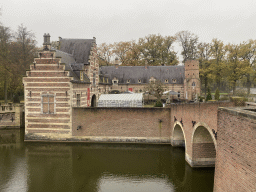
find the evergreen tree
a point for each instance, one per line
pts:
(209, 95)
(217, 94)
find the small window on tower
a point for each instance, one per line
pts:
(193, 84)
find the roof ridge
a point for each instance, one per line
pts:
(63, 52)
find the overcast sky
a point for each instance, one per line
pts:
(112, 21)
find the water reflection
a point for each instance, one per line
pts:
(96, 167)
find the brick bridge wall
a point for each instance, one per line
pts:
(235, 163)
(200, 151)
(122, 124)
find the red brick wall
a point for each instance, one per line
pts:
(236, 154)
(38, 83)
(200, 112)
(121, 122)
(204, 150)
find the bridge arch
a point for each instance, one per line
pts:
(178, 135)
(204, 146)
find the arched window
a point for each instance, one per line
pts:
(193, 84)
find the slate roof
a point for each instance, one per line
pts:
(73, 67)
(65, 57)
(78, 48)
(135, 73)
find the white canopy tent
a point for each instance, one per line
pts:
(121, 100)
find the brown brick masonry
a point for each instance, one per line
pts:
(47, 80)
(204, 150)
(49, 115)
(48, 84)
(48, 126)
(46, 68)
(235, 162)
(47, 61)
(47, 74)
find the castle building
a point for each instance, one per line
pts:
(70, 76)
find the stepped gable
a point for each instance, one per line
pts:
(135, 73)
(78, 48)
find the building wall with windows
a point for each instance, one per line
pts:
(56, 82)
(182, 79)
(47, 89)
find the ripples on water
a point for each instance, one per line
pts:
(59, 167)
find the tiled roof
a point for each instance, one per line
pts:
(78, 48)
(142, 73)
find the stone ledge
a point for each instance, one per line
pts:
(200, 162)
(240, 111)
(93, 139)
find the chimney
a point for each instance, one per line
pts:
(47, 39)
(47, 42)
(116, 63)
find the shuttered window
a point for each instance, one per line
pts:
(48, 104)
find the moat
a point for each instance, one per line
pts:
(96, 167)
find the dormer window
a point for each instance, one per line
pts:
(174, 80)
(166, 81)
(128, 81)
(152, 80)
(81, 76)
(115, 81)
(139, 81)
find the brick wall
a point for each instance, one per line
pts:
(47, 77)
(235, 163)
(204, 115)
(122, 122)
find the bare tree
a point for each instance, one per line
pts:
(5, 59)
(189, 43)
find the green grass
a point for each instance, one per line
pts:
(149, 105)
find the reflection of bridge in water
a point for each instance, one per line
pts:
(85, 167)
(91, 167)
